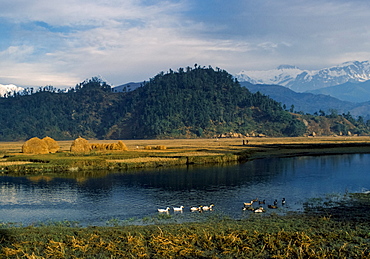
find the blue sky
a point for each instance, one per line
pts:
(61, 43)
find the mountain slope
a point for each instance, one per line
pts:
(200, 102)
(351, 92)
(311, 103)
(305, 80)
(306, 102)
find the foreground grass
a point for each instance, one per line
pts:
(178, 152)
(293, 236)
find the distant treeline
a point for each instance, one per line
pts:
(190, 102)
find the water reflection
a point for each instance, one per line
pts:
(95, 200)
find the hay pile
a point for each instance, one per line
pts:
(82, 145)
(112, 146)
(121, 146)
(40, 146)
(231, 135)
(156, 147)
(53, 146)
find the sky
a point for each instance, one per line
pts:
(62, 43)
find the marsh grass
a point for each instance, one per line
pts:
(291, 236)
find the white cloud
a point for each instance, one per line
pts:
(16, 52)
(35, 74)
(63, 42)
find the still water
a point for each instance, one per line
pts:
(124, 196)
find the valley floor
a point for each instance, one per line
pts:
(173, 152)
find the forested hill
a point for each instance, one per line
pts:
(191, 102)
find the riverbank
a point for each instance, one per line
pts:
(174, 152)
(316, 234)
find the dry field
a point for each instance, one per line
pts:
(176, 152)
(200, 146)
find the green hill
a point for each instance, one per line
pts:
(204, 102)
(191, 102)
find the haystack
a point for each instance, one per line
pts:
(53, 146)
(35, 146)
(161, 147)
(121, 146)
(80, 145)
(112, 146)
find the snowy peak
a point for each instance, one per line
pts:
(304, 80)
(282, 75)
(9, 89)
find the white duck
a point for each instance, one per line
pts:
(178, 208)
(164, 210)
(196, 208)
(259, 210)
(210, 207)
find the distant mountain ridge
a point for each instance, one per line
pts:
(352, 92)
(309, 102)
(128, 87)
(306, 102)
(301, 80)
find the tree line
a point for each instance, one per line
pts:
(189, 102)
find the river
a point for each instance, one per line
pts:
(135, 197)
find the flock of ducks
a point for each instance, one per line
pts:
(181, 208)
(247, 206)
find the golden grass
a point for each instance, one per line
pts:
(177, 152)
(222, 144)
(297, 236)
(7, 163)
(143, 160)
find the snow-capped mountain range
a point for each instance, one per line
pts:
(9, 89)
(301, 80)
(292, 77)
